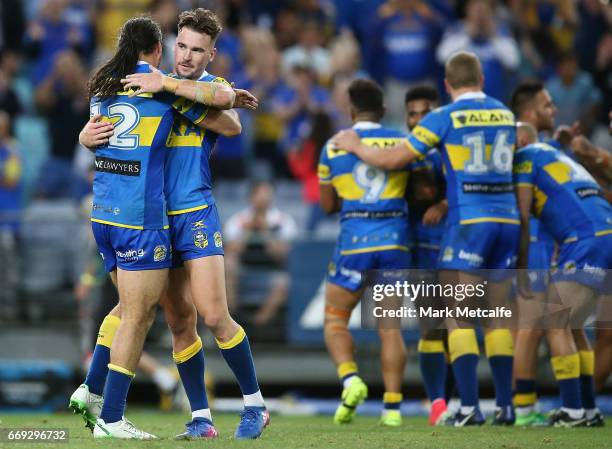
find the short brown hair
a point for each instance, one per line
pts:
(463, 70)
(366, 96)
(202, 21)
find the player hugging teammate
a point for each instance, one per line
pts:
(486, 236)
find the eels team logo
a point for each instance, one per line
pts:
(448, 255)
(200, 239)
(159, 253)
(331, 269)
(218, 239)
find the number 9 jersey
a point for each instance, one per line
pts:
(374, 216)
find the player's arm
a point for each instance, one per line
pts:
(391, 158)
(523, 176)
(96, 132)
(435, 213)
(215, 94)
(225, 123)
(524, 197)
(328, 199)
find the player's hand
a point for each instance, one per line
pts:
(96, 132)
(347, 140)
(245, 100)
(435, 214)
(523, 284)
(144, 82)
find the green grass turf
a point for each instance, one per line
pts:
(316, 432)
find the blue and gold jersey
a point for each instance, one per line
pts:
(129, 181)
(567, 200)
(188, 177)
(372, 199)
(428, 236)
(476, 138)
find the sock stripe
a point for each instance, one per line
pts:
(566, 366)
(525, 399)
(499, 342)
(121, 370)
(587, 362)
(188, 352)
(234, 341)
(462, 342)
(430, 346)
(346, 369)
(107, 330)
(392, 397)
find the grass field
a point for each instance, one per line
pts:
(317, 432)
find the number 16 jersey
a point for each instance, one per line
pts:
(476, 137)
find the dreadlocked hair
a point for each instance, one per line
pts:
(138, 35)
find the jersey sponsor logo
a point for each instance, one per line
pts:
(482, 117)
(116, 166)
(425, 136)
(197, 225)
(353, 275)
(107, 209)
(473, 259)
(130, 255)
(586, 192)
(160, 253)
(484, 187)
(200, 239)
(373, 214)
(524, 167)
(218, 239)
(597, 272)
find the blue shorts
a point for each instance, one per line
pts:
(425, 256)
(539, 263)
(586, 261)
(346, 271)
(480, 246)
(195, 234)
(132, 249)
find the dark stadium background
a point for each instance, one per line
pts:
(294, 56)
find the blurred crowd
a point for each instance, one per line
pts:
(297, 57)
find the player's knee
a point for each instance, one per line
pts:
(214, 320)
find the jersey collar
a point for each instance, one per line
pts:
(366, 125)
(470, 96)
(204, 75)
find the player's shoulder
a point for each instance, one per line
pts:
(536, 149)
(384, 131)
(212, 78)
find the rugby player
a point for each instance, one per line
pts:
(569, 202)
(129, 221)
(373, 236)
(428, 222)
(197, 276)
(531, 103)
(475, 135)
